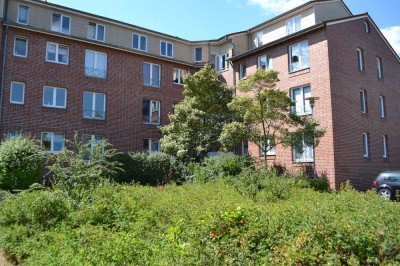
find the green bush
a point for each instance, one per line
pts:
(219, 167)
(20, 163)
(148, 168)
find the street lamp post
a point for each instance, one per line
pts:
(312, 104)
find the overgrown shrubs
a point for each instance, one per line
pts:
(148, 168)
(20, 163)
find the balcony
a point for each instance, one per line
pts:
(96, 73)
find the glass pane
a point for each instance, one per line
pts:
(48, 96)
(100, 32)
(135, 41)
(156, 76)
(262, 62)
(155, 108)
(56, 22)
(63, 54)
(297, 23)
(51, 51)
(101, 61)
(290, 29)
(23, 14)
(269, 62)
(199, 55)
(60, 97)
(309, 152)
(87, 104)
(170, 49)
(307, 93)
(17, 92)
(176, 76)
(65, 25)
(20, 47)
(146, 74)
(295, 58)
(163, 48)
(46, 141)
(297, 98)
(155, 145)
(146, 111)
(58, 142)
(304, 55)
(86, 139)
(92, 31)
(100, 105)
(143, 43)
(89, 63)
(146, 144)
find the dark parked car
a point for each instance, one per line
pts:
(387, 184)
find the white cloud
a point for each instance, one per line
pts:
(277, 7)
(392, 34)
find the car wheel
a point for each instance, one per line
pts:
(386, 193)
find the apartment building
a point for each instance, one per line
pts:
(67, 71)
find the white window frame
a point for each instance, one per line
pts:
(26, 46)
(303, 158)
(95, 69)
(366, 152)
(27, 16)
(181, 74)
(300, 57)
(385, 147)
(360, 59)
(242, 71)
(93, 106)
(166, 49)
(151, 111)
(23, 92)
(363, 101)
(140, 36)
(150, 145)
(367, 27)
(304, 110)
(96, 34)
(51, 141)
(293, 22)
(54, 104)
(151, 75)
(382, 106)
(57, 52)
(271, 151)
(379, 68)
(268, 61)
(201, 55)
(219, 59)
(60, 28)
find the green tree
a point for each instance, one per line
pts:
(266, 117)
(197, 121)
(20, 163)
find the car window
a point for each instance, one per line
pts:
(392, 178)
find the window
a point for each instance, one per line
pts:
(259, 39)
(17, 93)
(166, 49)
(366, 27)
(242, 71)
(265, 62)
(54, 97)
(61, 23)
(52, 142)
(221, 62)
(382, 106)
(178, 76)
(299, 95)
(94, 105)
(139, 42)
(366, 145)
(385, 146)
(270, 149)
(14, 133)
(91, 141)
(379, 67)
(199, 54)
(96, 32)
(21, 47)
(151, 74)
(360, 59)
(305, 154)
(151, 112)
(363, 99)
(23, 15)
(151, 145)
(95, 64)
(57, 53)
(293, 25)
(299, 56)
(245, 147)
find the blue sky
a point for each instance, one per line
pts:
(211, 19)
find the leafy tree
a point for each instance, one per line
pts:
(266, 117)
(197, 121)
(20, 163)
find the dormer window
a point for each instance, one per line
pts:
(293, 25)
(367, 27)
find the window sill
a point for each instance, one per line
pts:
(94, 118)
(304, 161)
(299, 71)
(181, 84)
(268, 155)
(59, 63)
(20, 56)
(151, 86)
(17, 103)
(54, 107)
(151, 124)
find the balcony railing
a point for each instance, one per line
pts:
(94, 72)
(93, 114)
(301, 110)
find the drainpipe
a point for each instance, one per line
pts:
(3, 63)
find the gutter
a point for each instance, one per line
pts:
(3, 63)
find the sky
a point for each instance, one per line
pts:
(210, 19)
